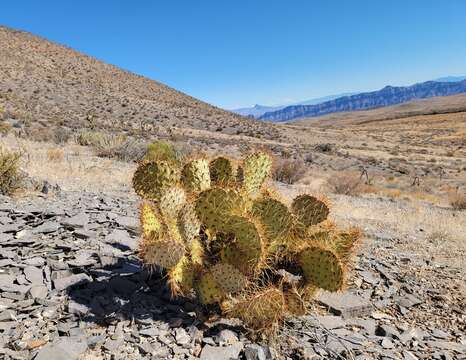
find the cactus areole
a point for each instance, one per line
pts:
(216, 229)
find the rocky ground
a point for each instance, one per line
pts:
(71, 287)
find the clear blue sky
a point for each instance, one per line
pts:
(233, 53)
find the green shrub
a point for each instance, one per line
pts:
(11, 178)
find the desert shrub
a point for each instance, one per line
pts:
(99, 140)
(128, 150)
(56, 154)
(11, 177)
(162, 150)
(61, 135)
(346, 183)
(289, 171)
(457, 200)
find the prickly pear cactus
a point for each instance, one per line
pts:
(222, 235)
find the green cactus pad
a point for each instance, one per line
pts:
(149, 221)
(207, 289)
(171, 201)
(221, 171)
(309, 210)
(188, 223)
(228, 278)
(213, 207)
(195, 175)
(256, 168)
(246, 252)
(344, 242)
(322, 268)
(181, 277)
(163, 253)
(152, 178)
(274, 215)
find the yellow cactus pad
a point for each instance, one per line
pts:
(188, 223)
(171, 201)
(309, 210)
(195, 175)
(152, 178)
(256, 168)
(149, 222)
(197, 252)
(322, 268)
(181, 277)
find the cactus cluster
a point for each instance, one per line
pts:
(222, 235)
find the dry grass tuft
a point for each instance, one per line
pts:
(56, 154)
(457, 200)
(11, 178)
(289, 171)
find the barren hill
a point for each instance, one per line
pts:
(44, 84)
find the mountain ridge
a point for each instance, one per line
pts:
(389, 95)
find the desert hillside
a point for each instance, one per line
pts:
(43, 85)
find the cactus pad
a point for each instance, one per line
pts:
(188, 223)
(221, 171)
(181, 277)
(149, 222)
(213, 206)
(207, 289)
(152, 178)
(195, 175)
(228, 278)
(322, 268)
(163, 253)
(171, 201)
(309, 210)
(256, 168)
(274, 215)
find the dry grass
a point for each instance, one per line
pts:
(79, 170)
(56, 155)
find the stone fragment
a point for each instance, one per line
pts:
(182, 337)
(73, 280)
(38, 292)
(34, 275)
(65, 348)
(77, 308)
(346, 304)
(77, 221)
(227, 337)
(254, 352)
(122, 239)
(210, 352)
(46, 228)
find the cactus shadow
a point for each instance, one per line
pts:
(125, 290)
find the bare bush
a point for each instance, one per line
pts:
(457, 200)
(11, 177)
(128, 150)
(346, 183)
(55, 154)
(289, 171)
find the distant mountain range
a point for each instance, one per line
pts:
(258, 110)
(389, 95)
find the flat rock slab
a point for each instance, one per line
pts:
(63, 349)
(210, 352)
(73, 280)
(347, 304)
